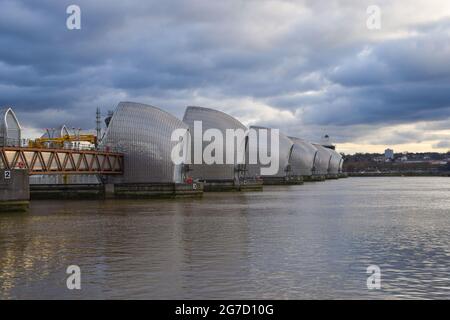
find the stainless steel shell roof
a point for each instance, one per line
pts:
(213, 119)
(143, 134)
(59, 133)
(335, 162)
(322, 162)
(285, 149)
(10, 129)
(302, 158)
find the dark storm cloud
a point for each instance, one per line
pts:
(315, 61)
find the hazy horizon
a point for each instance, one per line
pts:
(307, 67)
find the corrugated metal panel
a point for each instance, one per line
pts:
(285, 149)
(143, 134)
(302, 158)
(323, 158)
(213, 119)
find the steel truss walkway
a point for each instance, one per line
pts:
(60, 161)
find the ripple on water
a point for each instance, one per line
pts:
(310, 241)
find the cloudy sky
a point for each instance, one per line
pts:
(307, 67)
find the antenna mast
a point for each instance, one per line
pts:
(98, 126)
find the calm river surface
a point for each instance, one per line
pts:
(311, 241)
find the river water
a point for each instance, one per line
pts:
(313, 241)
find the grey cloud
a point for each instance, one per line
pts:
(323, 67)
(442, 145)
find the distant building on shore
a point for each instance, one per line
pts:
(326, 142)
(389, 154)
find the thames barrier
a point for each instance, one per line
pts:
(133, 158)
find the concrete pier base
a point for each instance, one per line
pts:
(282, 180)
(231, 185)
(316, 178)
(157, 190)
(115, 191)
(251, 185)
(109, 190)
(14, 190)
(66, 191)
(220, 186)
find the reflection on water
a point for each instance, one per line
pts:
(309, 241)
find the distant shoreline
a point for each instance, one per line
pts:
(399, 174)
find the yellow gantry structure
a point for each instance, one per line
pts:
(60, 142)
